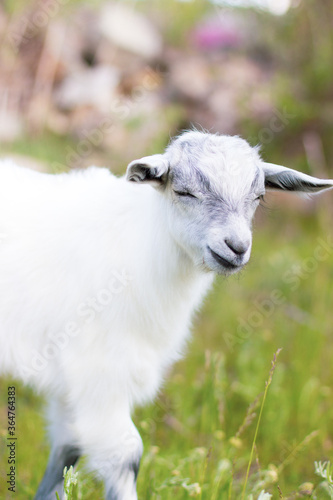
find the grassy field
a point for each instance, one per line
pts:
(198, 435)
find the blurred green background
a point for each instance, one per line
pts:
(103, 83)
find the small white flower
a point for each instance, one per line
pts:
(264, 496)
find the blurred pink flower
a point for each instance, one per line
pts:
(215, 34)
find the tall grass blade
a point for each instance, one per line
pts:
(267, 384)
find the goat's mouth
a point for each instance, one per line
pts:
(227, 264)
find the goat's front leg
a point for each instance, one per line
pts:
(114, 454)
(121, 482)
(119, 470)
(52, 482)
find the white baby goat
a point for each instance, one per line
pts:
(99, 278)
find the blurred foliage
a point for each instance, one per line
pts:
(299, 47)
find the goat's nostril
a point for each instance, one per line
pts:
(238, 247)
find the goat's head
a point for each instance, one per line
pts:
(213, 185)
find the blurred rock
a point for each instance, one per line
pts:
(73, 43)
(11, 126)
(94, 86)
(57, 122)
(87, 121)
(239, 73)
(223, 106)
(130, 30)
(11, 122)
(190, 78)
(140, 81)
(107, 53)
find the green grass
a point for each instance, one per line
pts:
(199, 433)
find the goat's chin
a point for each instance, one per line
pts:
(222, 264)
(221, 270)
(228, 272)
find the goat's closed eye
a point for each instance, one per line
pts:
(185, 194)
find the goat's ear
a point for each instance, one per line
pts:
(286, 179)
(153, 169)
